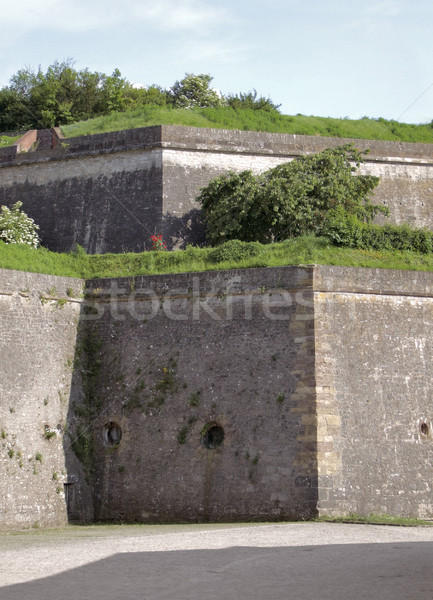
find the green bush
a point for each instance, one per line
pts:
(343, 229)
(235, 250)
(289, 200)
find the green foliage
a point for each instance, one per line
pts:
(235, 250)
(152, 94)
(343, 229)
(250, 101)
(182, 434)
(302, 250)
(16, 227)
(246, 119)
(289, 200)
(37, 100)
(194, 90)
(7, 140)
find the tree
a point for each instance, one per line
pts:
(289, 200)
(16, 227)
(194, 90)
(61, 95)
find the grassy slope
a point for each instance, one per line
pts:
(297, 251)
(248, 120)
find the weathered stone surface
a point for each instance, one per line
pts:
(317, 380)
(38, 326)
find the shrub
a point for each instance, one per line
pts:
(235, 250)
(343, 229)
(289, 200)
(250, 101)
(194, 90)
(16, 227)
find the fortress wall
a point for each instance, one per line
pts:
(38, 324)
(374, 354)
(104, 203)
(111, 192)
(319, 377)
(405, 170)
(232, 349)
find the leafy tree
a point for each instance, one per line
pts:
(152, 94)
(289, 200)
(61, 95)
(194, 90)
(250, 101)
(16, 227)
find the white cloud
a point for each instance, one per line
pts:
(384, 8)
(374, 16)
(85, 15)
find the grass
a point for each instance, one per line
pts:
(249, 120)
(6, 140)
(376, 520)
(298, 251)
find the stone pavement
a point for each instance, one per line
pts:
(239, 561)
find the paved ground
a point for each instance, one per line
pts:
(188, 562)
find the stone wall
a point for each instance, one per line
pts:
(374, 351)
(190, 356)
(38, 326)
(111, 192)
(259, 394)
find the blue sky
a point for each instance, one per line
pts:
(325, 58)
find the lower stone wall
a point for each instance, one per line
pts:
(187, 360)
(38, 324)
(374, 353)
(259, 394)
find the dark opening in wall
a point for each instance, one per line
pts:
(111, 435)
(213, 436)
(424, 428)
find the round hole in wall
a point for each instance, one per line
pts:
(213, 436)
(424, 428)
(112, 434)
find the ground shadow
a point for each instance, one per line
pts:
(386, 571)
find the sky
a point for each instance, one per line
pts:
(314, 57)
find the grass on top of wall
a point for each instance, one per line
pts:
(226, 117)
(6, 140)
(298, 251)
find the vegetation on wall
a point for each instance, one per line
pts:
(304, 250)
(289, 200)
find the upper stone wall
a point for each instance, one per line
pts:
(110, 192)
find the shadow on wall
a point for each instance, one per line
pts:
(179, 232)
(78, 443)
(386, 571)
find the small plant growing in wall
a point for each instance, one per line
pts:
(181, 436)
(49, 433)
(194, 399)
